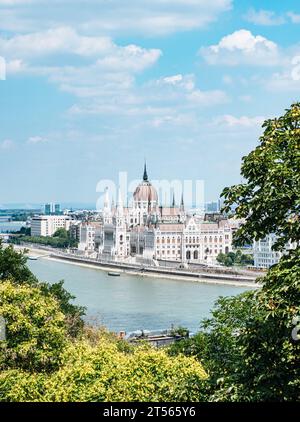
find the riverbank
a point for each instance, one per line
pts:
(165, 273)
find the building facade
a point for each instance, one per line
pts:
(149, 231)
(263, 254)
(46, 225)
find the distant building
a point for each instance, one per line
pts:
(149, 231)
(263, 255)
(46, 225)
(48, 209)
(52, 209)
(212, 207)
(57, 209)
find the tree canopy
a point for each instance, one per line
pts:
(269, 199)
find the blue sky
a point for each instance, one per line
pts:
(92, 87)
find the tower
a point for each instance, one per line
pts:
(121, 244)
(107, 214)
(182, 214)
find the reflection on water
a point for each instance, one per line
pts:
(133, 302)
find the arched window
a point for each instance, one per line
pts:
(195, 254)
(188, 254)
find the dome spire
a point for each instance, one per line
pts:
(145, 175)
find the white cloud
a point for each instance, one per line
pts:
(242, 47)
(230, 121)
(150, 17)
(36, 140)
(6, 144)
(173, 120)
(208, 98)
(172, 79)
(171, 101)
(264, 17)
(13, 2)
(186, 82)
(283, 82)
(54, 41)
(294, 17)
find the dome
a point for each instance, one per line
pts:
(145, 192)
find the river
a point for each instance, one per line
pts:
(11, 226)
(132, 302)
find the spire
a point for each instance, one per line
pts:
(145, 175)
(182, 203)
(173, 201)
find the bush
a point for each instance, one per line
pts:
(104, 373)
(35, 329)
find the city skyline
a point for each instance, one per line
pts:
(92, 92)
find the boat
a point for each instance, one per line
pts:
(113, 273)
(33, 258)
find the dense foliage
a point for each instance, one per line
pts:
(102, 372)
(35, 328)
(45, 357)
(269, 199)
(13, 267)
(235, 258)
(61, 239)
(251, 344)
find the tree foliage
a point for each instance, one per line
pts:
(13, 267)
(234, 258)
(248, 346)
(35, 328)
(102, 372)
(269, 199)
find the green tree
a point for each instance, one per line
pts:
(247, 346)
(13, 267)
(269, 200)
(62, 233)
(102, 372)
(35, 328)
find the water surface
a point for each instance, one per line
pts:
(132, 302)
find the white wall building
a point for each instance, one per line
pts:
(151, 231)
(46, 225)
(263, 255)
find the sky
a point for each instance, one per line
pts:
(94, 87)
